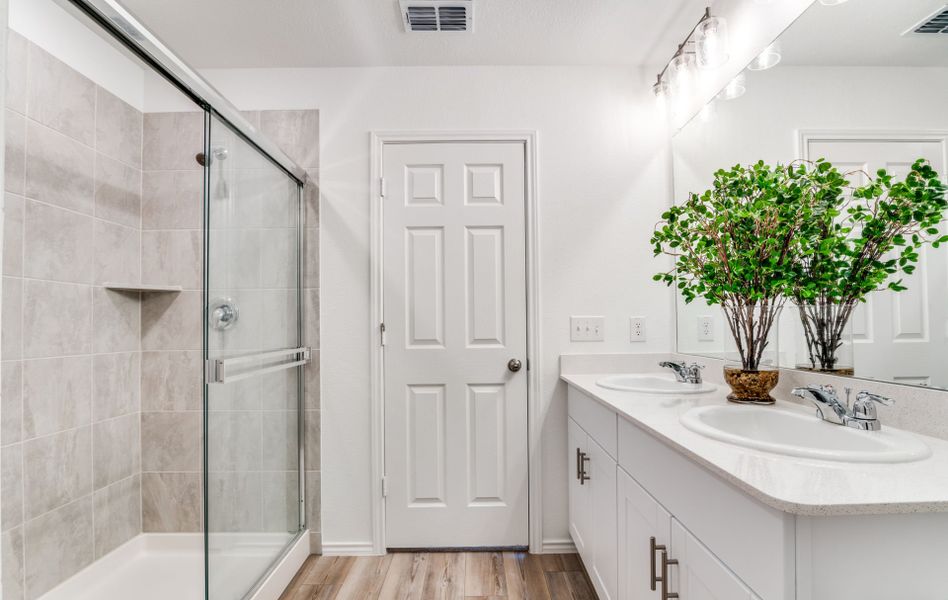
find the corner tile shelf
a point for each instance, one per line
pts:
(143, 287)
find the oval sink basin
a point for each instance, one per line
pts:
(653, 384)
(798, 434)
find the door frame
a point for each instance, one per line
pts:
(378, 140)
(805, 136)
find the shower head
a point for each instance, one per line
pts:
(218, 153)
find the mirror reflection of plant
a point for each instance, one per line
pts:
(864, 236)
(735, 245)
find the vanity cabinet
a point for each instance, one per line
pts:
(592, 516)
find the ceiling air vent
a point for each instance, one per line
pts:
(934, 23)
(437, 15)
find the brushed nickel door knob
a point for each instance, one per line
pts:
(514, 365)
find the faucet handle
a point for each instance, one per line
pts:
(864, 408)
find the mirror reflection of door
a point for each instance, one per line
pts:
(902, 336)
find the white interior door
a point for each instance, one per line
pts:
(454, 294)
(898, 336)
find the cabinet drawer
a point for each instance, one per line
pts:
(598, 421)
(755, 541)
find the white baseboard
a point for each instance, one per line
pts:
(348, 548)
(558, 546)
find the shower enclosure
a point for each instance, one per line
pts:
(153, 338)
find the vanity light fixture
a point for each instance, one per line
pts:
(766, 59)
(705, 47)
(735, 88)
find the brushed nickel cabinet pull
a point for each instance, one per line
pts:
(583, 476)
(666, 595)
(579, 464)
(653, 548)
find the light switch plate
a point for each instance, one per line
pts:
(637, 329)
(705, 328)
(587, 329)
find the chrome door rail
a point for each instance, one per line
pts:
(217, 369)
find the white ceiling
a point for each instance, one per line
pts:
(332, 33)
(865, 33)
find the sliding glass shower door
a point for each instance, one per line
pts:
(253, 475)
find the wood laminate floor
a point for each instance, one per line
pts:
(442, 576)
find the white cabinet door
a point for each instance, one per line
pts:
(640, 518)
(579, 497)
(701, 576)
(602, 484)
(454, 286)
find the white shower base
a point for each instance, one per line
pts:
(162, 566)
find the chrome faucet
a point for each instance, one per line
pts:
(862, 416)
(684, 372)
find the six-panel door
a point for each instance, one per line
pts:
(454, 295)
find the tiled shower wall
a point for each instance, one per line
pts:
(70, 348)
(100, 435)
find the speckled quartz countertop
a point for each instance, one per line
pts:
(794, 485)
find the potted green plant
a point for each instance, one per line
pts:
(734, 246)
(863, 238)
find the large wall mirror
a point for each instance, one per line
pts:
(864, 85)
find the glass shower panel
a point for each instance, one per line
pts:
(253, 338)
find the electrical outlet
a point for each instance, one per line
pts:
(705, 328)
(587, 329)
(637, 329)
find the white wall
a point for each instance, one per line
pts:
(603, 180)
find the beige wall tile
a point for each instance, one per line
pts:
(172, 381)
(59, 97)
(171, 441)
(58, 317)
(296, 132)
(236, 501)
(14, 160)
(58, 545)
(171, 502)
(313, 501)
(11, 401)
(58, 244)
(311, 382)
(311, 419)
(116, 385)
(13, 235)
(171, 140)
(280, 434)
(311, 258)
(280, 508)
(116, 321)
(11, 548)
(173, 258)
(117, 253)
(311, 317)
(311, 200)
(115, 450)
(118, 514)
(57, 395)
(59, 170)
(118, 129)
(11, 486)
(172, 321)
(118, 192)
(234, 441)
(17, 48)
(57, 470)
(172, 200)
(11, 319)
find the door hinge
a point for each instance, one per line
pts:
(381, 187)
(382, 334)
(384, 487)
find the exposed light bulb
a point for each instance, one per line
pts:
(682, 73)
(711, 43)
(832, 2)
(734, 89)
(766, 59)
